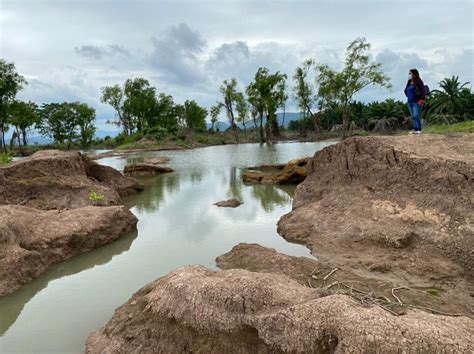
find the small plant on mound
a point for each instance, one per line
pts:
(5, 158)
(95, 197)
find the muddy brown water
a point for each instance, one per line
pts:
(178, 225)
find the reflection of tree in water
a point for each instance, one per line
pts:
(12, 305)
(196, 176)
(155, 187)
(235, 184)
(271, 196)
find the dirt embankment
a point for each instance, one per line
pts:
(194, 309)
(54, 179)
(390, 220)
(47, 215)
(396, 209)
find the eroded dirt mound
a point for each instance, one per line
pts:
(293, 172)
(397, 209)
(32, 239)
(194, 309)
(61, 180)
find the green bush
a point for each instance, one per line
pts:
(5, 158)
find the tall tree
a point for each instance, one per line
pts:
(140, 102)
(304, 92)
(194, 116)
(229, 93)
(85, 116)
(165, 114)
(10, 83)
(23, 116)
(114, 96)
(242, 109)
(67, 121)
(214, 112)
(266, 94)
(358, 72)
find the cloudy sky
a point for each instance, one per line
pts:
(68, 50)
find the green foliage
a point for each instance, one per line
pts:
(451, 103)
(5, 157)
(242, 108)
(214, 112)
(358, 73)
(67, 121)
(194, 116)
(266, 94)
(461, 127)
(228, 90)
(95, 197)
(303, 90)
(10, 84)
(23, 116)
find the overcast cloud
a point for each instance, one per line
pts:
(69, 49)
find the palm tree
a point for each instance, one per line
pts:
(385, 116)
(449, 101)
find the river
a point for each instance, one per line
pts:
(178, 225)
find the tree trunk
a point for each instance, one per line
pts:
(345, 122)
(2, 141)
(24, 135)
(260, 130)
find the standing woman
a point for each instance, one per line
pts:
(415, 92)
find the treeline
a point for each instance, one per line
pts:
(65, 123)
(324, 96)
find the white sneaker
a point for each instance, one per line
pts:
(418, 132)
(412, 132)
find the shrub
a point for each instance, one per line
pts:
(5, 158)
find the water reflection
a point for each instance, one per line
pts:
(178, 225)
(271, 196)
(12, 305)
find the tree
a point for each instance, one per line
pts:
(85, 117)
(214, 112)
(452, 102)
(67, 121)
(385, 116)
(23, 116)
(242, 109)
(114, 96)
(304, 92)
(165, 114)
(358, 72)
(266, 94)
(194, 116)
(140, 102)
(229, 93)
(10, 83)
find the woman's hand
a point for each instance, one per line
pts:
(421, 102)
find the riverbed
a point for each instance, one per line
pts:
(178, 225)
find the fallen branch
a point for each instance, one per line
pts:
(330, 273)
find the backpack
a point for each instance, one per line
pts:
(427, 90)
(418, 93)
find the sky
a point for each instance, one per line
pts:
(68, 50)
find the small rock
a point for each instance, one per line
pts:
(230, 203)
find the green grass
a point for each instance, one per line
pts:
(462, 127)
(5, 158)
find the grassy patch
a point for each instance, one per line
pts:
(434, 291)
(5, 158)
(462, 127)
